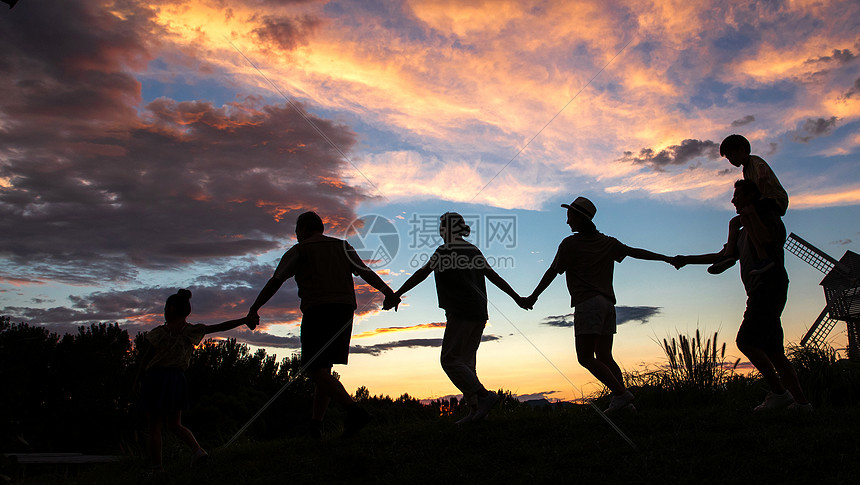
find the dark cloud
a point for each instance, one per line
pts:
(743, 121)
(814, 128)
(558, 320)
(218, 297)
(854, 89)
(623, 314)
(536, 395)
(842, 242)
(263, 339)
(377, 349)
(839, 56)
(639, 314)
(95, 187)
(681, 154)
(287, 33)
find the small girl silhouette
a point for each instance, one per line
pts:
(166, 356)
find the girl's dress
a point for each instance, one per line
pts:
(164, 387)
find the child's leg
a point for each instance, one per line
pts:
(734, 231)
(154, 424)
(603, 353)
(586, 347)
(761, 361)
(729, 254)
(174, 420)
(788, 376)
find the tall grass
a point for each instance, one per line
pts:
(826, 379)
(695, 372)
(695, 366)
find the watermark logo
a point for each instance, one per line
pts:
(489, 231)
(375, 239)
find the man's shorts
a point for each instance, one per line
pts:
(761, 327)
(319, 325)
(595, 315)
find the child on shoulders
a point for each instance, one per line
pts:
(774, 199)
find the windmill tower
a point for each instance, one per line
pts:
(841, 291)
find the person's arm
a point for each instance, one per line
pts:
(647, 255)
(370, 277)
(503, 285)
(681, 260)
(543, 284)
(286, 269)
(393, 300)
(230, 325)
(413, 281)
(266, 294)
(373, 279)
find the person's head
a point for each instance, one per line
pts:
(178, 305)
(580, 213)
(453, 226)
(736, 149)
(746, 192)
(308, 224)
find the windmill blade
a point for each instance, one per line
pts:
(815, 257)
(818, 332)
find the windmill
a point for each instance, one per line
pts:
(841, 291)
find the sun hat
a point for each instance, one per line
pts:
(583, 206)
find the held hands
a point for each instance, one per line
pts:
(252, 320)
(391, 301)
(526, 302)
(678, 261)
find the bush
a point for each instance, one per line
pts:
(826, 379)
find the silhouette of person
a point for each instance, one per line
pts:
(587, 258)
(774, 200)
(323, 267)
(459, 269)
(760, 334)
(164, 390)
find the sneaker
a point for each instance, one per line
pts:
(620, 401)
(199, 457)
(775, 401)
(722, 265)
(467, 419)
(761, 266)
(804, 408)
(356, 418)
(484, 405)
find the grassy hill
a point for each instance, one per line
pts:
(717, 443)
(695, 424)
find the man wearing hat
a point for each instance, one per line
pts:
(587, 258)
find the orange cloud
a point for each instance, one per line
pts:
(841, 197)
(497, 72)
(380, 331)
(20, 281)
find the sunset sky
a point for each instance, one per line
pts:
(147, 146)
